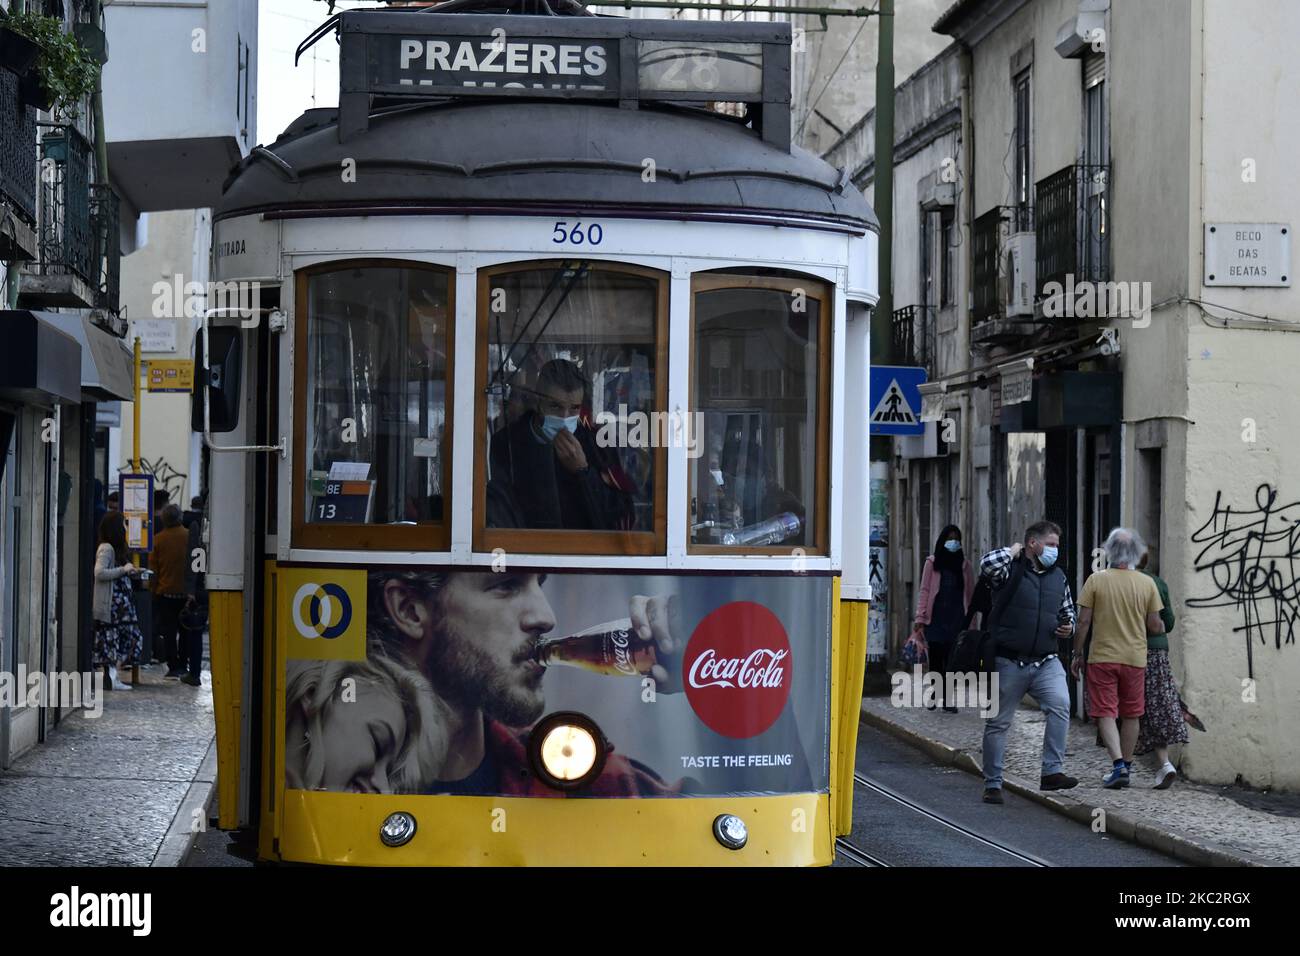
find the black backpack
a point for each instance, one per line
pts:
(976, 650)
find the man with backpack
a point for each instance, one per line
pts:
(1032, 608)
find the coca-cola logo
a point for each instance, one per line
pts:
(759, 669)
(622, 656)
(737, 669)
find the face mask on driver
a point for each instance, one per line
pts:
(1048, 557)
(552, 425)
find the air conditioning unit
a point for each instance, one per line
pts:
(1016, 276)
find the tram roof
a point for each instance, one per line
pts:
(583, 108)
(524, 157)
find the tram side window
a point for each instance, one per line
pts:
(760, 346)
(571, 360)
(376, 396)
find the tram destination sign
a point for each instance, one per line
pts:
(446, 55)
(455, 64)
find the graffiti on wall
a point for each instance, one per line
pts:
(1252, 555)
(165, 476)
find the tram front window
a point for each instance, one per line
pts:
(376, 396)
(760, 351)
(572, 359)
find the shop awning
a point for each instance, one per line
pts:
(40, 363)
(106, 362)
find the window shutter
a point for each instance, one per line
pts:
(1094, 69)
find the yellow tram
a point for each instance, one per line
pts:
(537, 465)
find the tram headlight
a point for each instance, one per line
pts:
(567, 750)
(397, 829)
(730, 831)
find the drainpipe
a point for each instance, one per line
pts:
(967, 194)
(97, 103)
(9, 291)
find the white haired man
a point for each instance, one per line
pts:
(1122, 605)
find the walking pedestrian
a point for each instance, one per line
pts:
(1122, 605)
(118, 639)
(168, 561)
(1162, 722)
(194, 616)
(1024, 625)
(947, 583)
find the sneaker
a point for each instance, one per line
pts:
(1165, 777)
(192, 680)
(1116, 779)
(993, 795)
(174, 673)
(118, 685)
(1057, 781)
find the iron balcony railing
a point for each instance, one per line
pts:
(989, 279)
(904, 334)
(913, 336)
(105, 223)
(987, 255)
(67, 243)
(17, 149)
(1072, 226)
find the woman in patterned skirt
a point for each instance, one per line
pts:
(1165, 720)
(118, 638)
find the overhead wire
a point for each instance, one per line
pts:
(831, 78)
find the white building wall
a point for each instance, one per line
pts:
(1240, 573)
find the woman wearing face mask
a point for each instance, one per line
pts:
(947, 584)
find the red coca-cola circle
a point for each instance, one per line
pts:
(737, 669)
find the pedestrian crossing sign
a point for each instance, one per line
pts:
(895, 400)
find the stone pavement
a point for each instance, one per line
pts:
(1206, 825)
(117, 790)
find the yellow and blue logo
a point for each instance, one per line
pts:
(325, 615)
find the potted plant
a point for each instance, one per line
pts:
(17, 53)
(63, 73)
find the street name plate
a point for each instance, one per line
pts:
(1248, 253)
(1017, 386)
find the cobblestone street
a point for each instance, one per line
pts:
(105, 791)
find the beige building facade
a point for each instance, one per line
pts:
(1124, 325)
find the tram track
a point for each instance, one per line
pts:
(855, 854)
(851, 852)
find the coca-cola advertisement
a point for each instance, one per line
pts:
(699, 685)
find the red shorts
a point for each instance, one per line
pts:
(1116, 690)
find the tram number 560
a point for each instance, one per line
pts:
(563, 235)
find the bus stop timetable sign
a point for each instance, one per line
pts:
(895, 400)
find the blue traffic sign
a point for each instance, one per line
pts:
(895, 400)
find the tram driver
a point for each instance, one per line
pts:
(547, 470)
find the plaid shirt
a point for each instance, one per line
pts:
(996, 566)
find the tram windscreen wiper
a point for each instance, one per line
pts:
(508, 354)
(575, 275)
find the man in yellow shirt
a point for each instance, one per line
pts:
(1122, 605)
